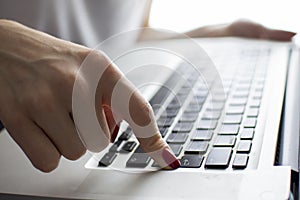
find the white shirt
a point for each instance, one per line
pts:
(86, 22)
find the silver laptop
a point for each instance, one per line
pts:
(229, 112)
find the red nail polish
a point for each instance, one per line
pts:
(115, 133)
(170, 159)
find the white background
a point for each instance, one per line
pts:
(183, 15)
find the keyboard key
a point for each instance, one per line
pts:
(177, 138)
(170, 113)
(225, 141)
(232, 119)
(218, 98)
(125, 135)
(139, 160)
(241, 94)
(165, 121)
(207, 124)
(183, 127)
(229, 129)
(244, 146)
(211, 114)
(250, 122)
(240, 161)
(255, 103)
(253, 112)
(107, 159)
(238, 101)
(163, 131)
(199, 101)
(115, 146)
(215, 106)
(176, 148)
(139, 149)
(247, 134)
(128, 147)
(197, 147)
(219, 157)
(188, 117)
(257, 95)
(191, 161)
(235, 110)
(193, 108)
(202, 135)
(173, 106)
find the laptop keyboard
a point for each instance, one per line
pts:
(214, 130)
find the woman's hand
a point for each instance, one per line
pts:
(242, 28)
(37, 75)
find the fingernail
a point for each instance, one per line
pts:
(114, 133)
(170, 159)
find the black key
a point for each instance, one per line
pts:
(229, 129)
(232, 119)
(219, 157)
(193, 108)
(240, 161)
(139, 160)
(170, 113)
(257, 95)
(165, 121)
(250, 122)
(107, 159)
(115, 146)
(176, 148)
(219, 97)
(191, 161)
(253, 112)
(125, 135)
(163, 131)
(188, 117)
(174, 104)
(247, 134)
(255, 103)
(197, 147)
(128, 147)
(177, 138)
(241, 94)
(215, 106)
(235, 110)
(162, 93)
(238, 101)
(225, 141)
(207, 124)
(202, 135)
(197, 100)
(139, 149)
(183, 127)
(214, 114)
(244, 146)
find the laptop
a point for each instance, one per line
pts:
(229, 111)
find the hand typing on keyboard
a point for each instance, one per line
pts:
(37, 78)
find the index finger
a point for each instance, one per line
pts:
(128, 102)
(100, 82)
